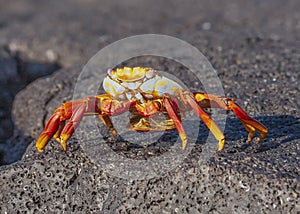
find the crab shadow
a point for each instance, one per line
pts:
(281, 129)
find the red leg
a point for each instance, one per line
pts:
(107, 121)
(69, 128)
(50, 129)
(102, 105)
(172, 113)
(250, 124)
(56, 136)
(208, 121)
(56, 125)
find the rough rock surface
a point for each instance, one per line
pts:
(256, 178)
(256, 54)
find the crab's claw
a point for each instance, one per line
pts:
(57, 128)
(73, 111)
(50, 129)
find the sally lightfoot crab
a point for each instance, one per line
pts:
(146, 94)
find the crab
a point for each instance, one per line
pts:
(146, 94)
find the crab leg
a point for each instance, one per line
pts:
(107, 121)
(56, 125)
(172, 113)
(50, 129)
(69, 128)
(250, 124)
(208, 121)
(103, 106)
(61, 126)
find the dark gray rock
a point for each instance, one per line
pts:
(255, 178)
(254, 46)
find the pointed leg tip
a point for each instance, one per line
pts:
(184, 141)
(250, 137)
(64, 149)
(42, 141)
(63, 141)
(221, 145)
(261, 137)
(63, 144)
(219, 150)
(115, 133)
(39, 149)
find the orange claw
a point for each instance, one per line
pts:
(49, 131)
(56, 127)
(69, 128)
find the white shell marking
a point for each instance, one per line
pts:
(113, 88)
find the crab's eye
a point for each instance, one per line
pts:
(109, 72)
(150, 73)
